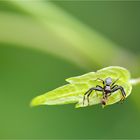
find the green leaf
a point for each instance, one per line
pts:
(75, 90)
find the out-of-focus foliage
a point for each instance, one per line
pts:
(74, 41)
(42, 43)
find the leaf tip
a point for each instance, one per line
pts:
(39, 100)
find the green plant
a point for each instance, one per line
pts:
(75, 90)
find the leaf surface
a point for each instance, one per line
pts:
(75, 90)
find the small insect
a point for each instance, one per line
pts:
(108, 88)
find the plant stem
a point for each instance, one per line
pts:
(135, 81)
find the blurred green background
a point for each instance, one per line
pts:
(42, 43)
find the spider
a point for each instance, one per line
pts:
(108, 88)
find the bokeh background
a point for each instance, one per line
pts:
(42, 43)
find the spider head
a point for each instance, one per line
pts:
(108, 81)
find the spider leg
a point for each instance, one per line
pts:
(88, 94)
(97, 88)
(114, 82)
(114, 86)
(89, 91)
(122, 91)
(101, 80)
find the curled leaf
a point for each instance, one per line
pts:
(75, 90)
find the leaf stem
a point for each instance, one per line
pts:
(135, 81)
